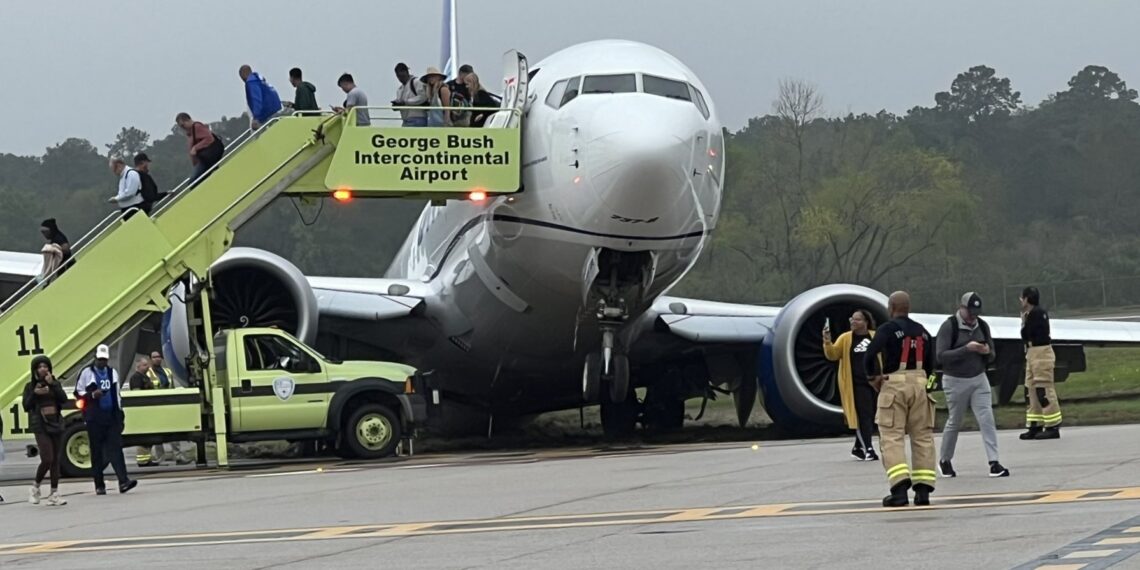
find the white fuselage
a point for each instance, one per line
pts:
(628, 171)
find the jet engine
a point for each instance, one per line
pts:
(252, 288)
(798, 382)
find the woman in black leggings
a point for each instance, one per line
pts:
(43, 400)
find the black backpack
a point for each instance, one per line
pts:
(148, 188)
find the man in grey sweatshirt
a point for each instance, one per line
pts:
(965, 348)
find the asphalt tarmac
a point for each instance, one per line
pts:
(1070, 503)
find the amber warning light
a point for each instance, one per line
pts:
(342, 195)
(477, 196)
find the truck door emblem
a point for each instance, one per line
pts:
(283, 387)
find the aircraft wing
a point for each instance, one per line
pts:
(368, 299)
(1086, 332)
(16, 267)
(714, 322)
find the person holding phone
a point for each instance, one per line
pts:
(856, 392)
(43, 401)
(965, 348)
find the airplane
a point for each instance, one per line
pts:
(557, 296)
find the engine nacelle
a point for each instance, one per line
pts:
(252, 288)
(800, 386)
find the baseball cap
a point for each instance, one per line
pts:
(972, 302)
(102, 351)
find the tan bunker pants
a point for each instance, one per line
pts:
(906, 409)
(1039, 364)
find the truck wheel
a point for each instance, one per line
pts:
(373, 431)
(76, 453)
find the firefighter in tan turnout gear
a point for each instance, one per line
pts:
(1042, 409)
(904, 408)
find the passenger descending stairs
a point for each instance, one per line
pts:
(125, 268)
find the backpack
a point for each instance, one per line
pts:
(460, 109)
(148, 189)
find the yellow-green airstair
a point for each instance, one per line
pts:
(123, 270)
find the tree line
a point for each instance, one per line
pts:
(977, 191)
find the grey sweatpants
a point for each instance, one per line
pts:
(974, 393)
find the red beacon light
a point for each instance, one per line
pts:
(342, 195)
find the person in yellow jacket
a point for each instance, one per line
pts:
(856, 394)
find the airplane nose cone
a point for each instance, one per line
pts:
(640, 158)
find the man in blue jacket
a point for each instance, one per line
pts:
(98, 390)
(261, 97)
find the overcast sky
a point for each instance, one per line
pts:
(73, 68)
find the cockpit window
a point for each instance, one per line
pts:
(554, 99)
(571, 91)
(666, 87)
(700, 101)
(625, 83)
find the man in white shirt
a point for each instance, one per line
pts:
(411, 93)
(129, 199)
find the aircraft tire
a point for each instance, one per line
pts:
(619, 419)
(592, 377)
(619, 383)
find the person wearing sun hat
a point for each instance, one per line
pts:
(438, 98)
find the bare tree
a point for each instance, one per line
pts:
(797, 104)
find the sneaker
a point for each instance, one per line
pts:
(34, 495)
(871, 456)
(946, 469)
(127, 486)
(100, 491)
(55, 500)
(1048, 433)
(996, 470)
(857, 454)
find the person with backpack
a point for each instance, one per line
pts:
(149, 190)
(43, 401)
(410, 94)
(904, 407)
(129, 198)
(965, 348)
(206, 148)
(460, 98)
(100, 396)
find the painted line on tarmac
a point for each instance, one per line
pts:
(1126, 541)
(1104, 549)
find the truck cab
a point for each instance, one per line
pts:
(279, 388)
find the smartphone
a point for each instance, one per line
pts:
(827, 324)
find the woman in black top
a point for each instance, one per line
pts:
(480, 97)
(43, 401)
